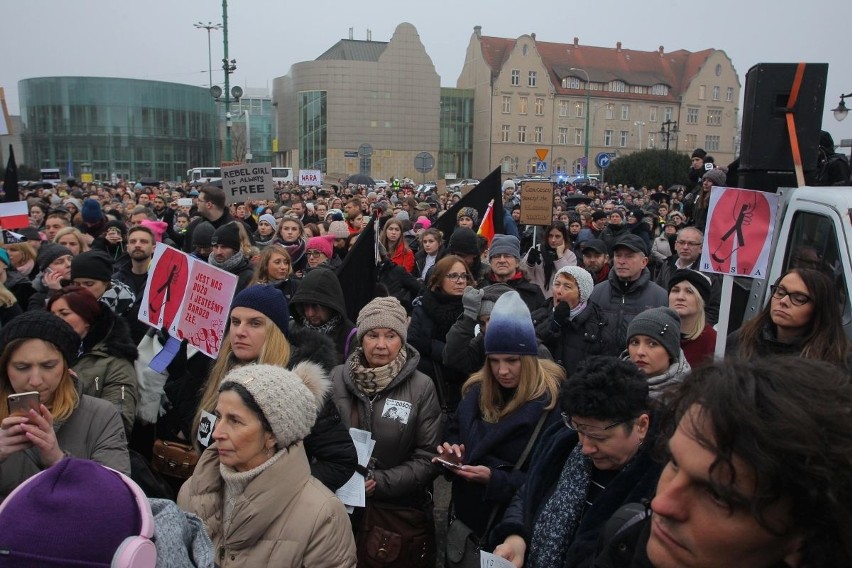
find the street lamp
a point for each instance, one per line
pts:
(668, 129)
(230, 95)
(209, 26)
(841, 111)
(586, 145)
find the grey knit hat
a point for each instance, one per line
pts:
(505, 244)
(661, 324)
(490, 294)
(716, 176)
(383, 312)
(582, 277)
(288, 399)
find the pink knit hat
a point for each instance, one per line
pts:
(322, 244)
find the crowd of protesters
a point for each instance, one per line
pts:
(539, 372)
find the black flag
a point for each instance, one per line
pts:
(10, 180)
(478, 198)
(358, 272)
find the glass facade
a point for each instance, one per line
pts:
(126, 128)
(456, 145)
(258, 111)
(313, 130)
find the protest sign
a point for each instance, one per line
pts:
(248, 182)
(310, 178)
(204, 310)
(536, 203)
(165, 287)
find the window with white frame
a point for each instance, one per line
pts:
(531, 165)
(607, 137)
(660, 89)
(579, 134)
(692, 115)
(531, 79)
(522, 134)
(714, 117)
(516, 77)
(667, 113)
(581, 109)
(507, 104)
(539, 134)
(505, 133)
(729, 94)
(702, 92)
(522, 105)
(610, 112)
(652, 114)
(691, 140)
(509, 164)
(625, 112)
(711, 143)
(563, 136)
(652, 140)
(617, 86)
(571, 83)
(539, 106)
(622, 141)
(716, 92)
(563, 108)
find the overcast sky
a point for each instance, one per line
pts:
(155, 39)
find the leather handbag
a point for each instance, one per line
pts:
(463, 546)
(174, 458)
(394, 536)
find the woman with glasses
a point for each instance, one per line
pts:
(501, 406)
(554, 252)
(431, 319)
(803, 317)
(583, 470)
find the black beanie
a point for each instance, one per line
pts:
(699, 153)
(697, 279)
(228, 235)
(41, 324)
(463, 241)
(202, 235)
(49, 252)
(92, 264)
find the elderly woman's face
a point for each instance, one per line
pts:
(240, 438)
(36, 365)
(565, 289)
(609, 446)
(381, 346)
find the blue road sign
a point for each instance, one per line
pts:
(541, 167)
(602, 160)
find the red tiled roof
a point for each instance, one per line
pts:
(605, 64)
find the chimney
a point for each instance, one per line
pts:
(351, 33)
(576, 41)
(370, 35)
(477, 30)
(618, 47)
(532, 35)
(661, 50)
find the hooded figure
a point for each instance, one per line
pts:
(318, 305)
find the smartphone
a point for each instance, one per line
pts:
(448, 463)
(21, 403)
(184, 202)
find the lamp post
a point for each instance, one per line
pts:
(230, 95)
(209, 26)
(841, 111)
(640, 124)
(668, 128)
(586, 145)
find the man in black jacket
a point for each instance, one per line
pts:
(318, 305)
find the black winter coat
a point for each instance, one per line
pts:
(573, 341)
(322, 287)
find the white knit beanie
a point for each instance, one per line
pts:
(581, 276)
(288, 399)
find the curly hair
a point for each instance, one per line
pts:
(607, 389)
(790, 420)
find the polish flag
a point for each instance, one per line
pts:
(486, 227)
(14, 215)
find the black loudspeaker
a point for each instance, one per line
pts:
(765, 143)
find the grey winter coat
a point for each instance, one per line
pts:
(405, 445)
(93, 432)
(180, 537)
(620, 302)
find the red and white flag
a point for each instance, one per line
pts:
(14, 215)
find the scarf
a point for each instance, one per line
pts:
(324, 328)
(444, 309)
(554, 530)
(372, 380)
(230, 264)
(26, 268)
(578, 310)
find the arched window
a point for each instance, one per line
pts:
(531, 165)
(509, 165)
(660, 89)
(617, 86)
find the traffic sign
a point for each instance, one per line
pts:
(541, 153)
(603, 160)
(424, 162)
(540, 167)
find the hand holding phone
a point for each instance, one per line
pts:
(449, 464)
(20, 404)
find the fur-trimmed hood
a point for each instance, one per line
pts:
(312, 346)
(110, 334)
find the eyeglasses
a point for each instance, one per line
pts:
(687, 243)
(586, 429)
(314, 253)
(796, 298)
(456, 276)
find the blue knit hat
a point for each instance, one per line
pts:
(269, 301)
(92, 212)
(510, 330)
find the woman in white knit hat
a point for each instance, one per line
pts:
(253, 488)
(379, 389)
(570, 326)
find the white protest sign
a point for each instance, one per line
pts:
(204, 310)
(310, 178)
(248, 182)
(164, 289)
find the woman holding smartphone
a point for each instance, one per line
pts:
(37, 350)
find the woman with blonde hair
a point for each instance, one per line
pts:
(36, 356)
(689, 292)
(259, 333)
(502, 407)
(72, 239)
(275, 268)
(23, 257)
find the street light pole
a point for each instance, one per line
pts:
(209, 26)
(588, 108)
(226, 67)
(668, 128)
(640, 124)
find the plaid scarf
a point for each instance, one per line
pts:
(372, 380)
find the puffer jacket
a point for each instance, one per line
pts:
(573, 341)
(620, 302)
(105, 367)
(284, 516)
(93, 432)
(405, 445)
